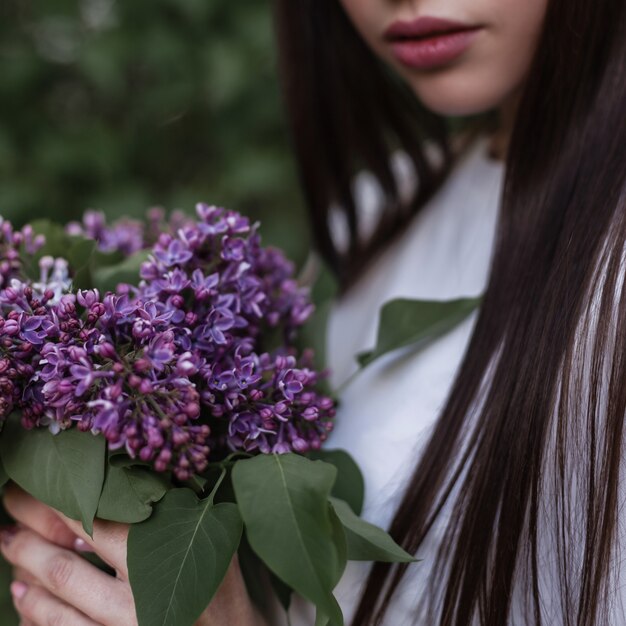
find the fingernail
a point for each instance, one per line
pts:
(18, 589)
(80, 545)
(7, 535)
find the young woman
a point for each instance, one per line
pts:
(495, 454)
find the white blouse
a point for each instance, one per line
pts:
(388, 409)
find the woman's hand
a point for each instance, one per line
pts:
(55, 586)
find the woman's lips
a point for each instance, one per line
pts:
(429, 42)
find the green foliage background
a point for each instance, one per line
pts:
(124, 105)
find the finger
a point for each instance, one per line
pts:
(41, 607)
(70, 578)
(108, 542)
(19, 573)
(109, 538)
(36, 515)
(22, 575)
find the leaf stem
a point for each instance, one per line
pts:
(230, 460)
(217, 485)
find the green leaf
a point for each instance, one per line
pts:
(349, 485)
(339, 539)
(65, 471)
(57, 244)
(80, 256)
(120, 459)
(283, 501)
(80, 252)
(107, 278)
(129, 493)
(416, 322)
(178, 558)
(58, 241)
(321, 619)
(199, 484)
(101, 259)
(341, 544)
(367, 542)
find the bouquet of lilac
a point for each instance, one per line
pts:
(149, 375)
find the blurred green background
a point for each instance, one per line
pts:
(124, 105)
(121, 106)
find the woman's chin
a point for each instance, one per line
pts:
(459, 96)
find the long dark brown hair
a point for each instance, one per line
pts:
(541, 457)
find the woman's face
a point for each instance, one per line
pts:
(477, 63)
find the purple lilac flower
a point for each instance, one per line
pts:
(126, 236)
(177, 369)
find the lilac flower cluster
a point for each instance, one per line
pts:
(127, 236)
(14, 244)
(15, 352)
(195, 361)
